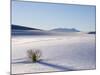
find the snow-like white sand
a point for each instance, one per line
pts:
(59, 53)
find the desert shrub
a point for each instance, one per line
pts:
(34, 55)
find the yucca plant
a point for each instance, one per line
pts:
(34, 54)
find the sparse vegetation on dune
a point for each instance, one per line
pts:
(34, 54)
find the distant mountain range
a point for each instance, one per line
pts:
(18, 27)
(23, 30)
(93, 32)
(65, 30)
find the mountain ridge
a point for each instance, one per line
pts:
(65, 30)
(18, 27)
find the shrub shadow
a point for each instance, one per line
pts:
(56, 66)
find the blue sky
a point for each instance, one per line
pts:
(49, 16)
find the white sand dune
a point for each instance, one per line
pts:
(59, 53)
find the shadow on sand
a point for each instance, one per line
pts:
(56, 66)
